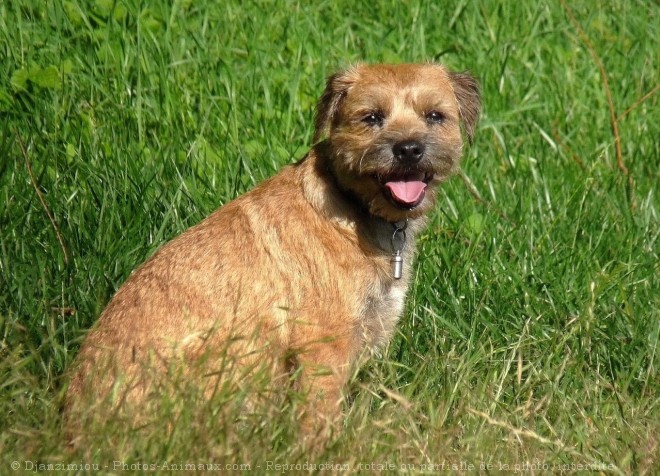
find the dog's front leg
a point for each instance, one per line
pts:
(323, 372)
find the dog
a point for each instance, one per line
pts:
(308, 272)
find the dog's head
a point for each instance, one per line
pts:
(395, 132)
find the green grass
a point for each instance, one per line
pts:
(531, 334)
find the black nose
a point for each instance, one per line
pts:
(409, 151)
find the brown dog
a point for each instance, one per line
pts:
(309, 269)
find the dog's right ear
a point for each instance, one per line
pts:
(335, 91)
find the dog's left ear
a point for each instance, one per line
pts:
(466, 90)
(335, 91)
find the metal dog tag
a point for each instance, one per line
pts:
(397, 264)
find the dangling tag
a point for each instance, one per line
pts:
(397, 264)
(397, 259)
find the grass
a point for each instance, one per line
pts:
(531, 335)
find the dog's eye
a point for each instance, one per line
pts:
(373, 119)
(435, 117)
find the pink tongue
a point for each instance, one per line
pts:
(408, 193)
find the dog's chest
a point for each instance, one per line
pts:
(383, 306)
(385, 295)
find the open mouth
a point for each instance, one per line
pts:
(406, 190)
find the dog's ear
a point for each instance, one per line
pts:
(466, 90)
(335, 91)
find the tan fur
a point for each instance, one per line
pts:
(295, 274)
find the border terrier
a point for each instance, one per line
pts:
(308, 271)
